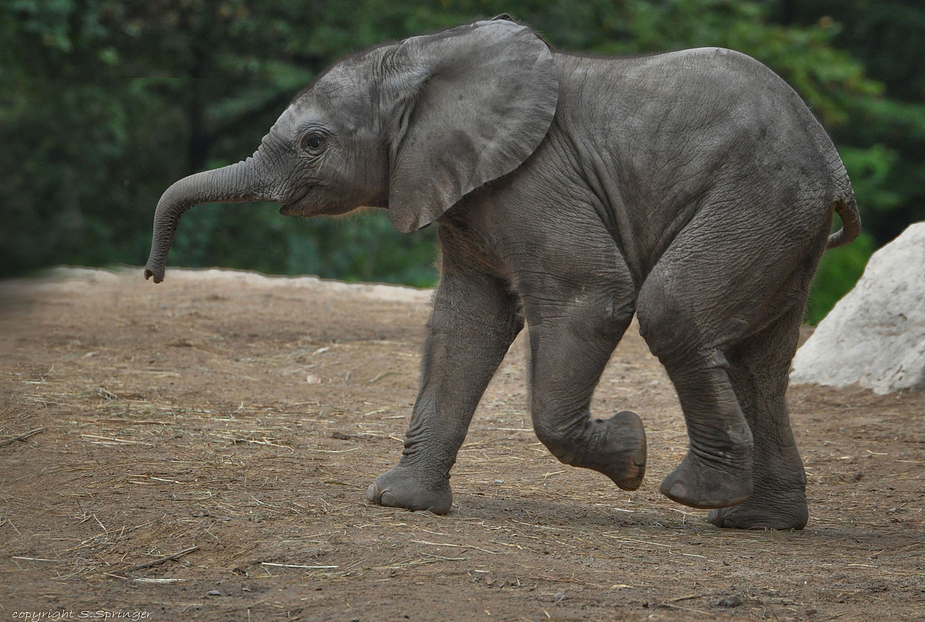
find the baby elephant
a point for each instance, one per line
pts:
(693, 189)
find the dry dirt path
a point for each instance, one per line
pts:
(237, 420)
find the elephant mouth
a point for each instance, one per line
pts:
(296, 207)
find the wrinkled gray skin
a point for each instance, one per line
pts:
(694, 189)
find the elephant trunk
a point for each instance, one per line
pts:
(236, 183)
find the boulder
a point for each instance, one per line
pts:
(875, 335)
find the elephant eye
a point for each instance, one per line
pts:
(313, 142)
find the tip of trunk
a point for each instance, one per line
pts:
(156, 271)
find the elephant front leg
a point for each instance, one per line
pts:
(474, 321)
(571, 344)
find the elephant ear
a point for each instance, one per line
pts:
(468, 105)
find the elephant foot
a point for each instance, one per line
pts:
(615, 447)
(699, 483)
(756, 514)
(624, 452)
(779, 502)
(401, 488)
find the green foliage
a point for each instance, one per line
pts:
(361, 246)
(104, 103)
(883, 144)
(887, 36)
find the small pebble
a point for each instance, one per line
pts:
(214, 593)
(732, 601)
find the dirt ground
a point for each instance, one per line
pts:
(234, 422)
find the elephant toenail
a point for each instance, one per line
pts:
(371, 493)
(388, 499)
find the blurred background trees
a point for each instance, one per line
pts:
(104, 103)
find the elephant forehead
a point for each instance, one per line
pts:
(335, 81)
(347, 79)
(293, 119)
(341, 116)
(339, 90)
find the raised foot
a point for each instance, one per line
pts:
(623, 455)
(401, 488)
(784, 510)
(701, 484)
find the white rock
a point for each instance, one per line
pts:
(875, 335)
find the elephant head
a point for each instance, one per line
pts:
(412, 127)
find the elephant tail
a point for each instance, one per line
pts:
(847, 208)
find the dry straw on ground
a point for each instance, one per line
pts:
(201, 450)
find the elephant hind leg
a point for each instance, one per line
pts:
(717, 471)
(759, 368)
(711, 307)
